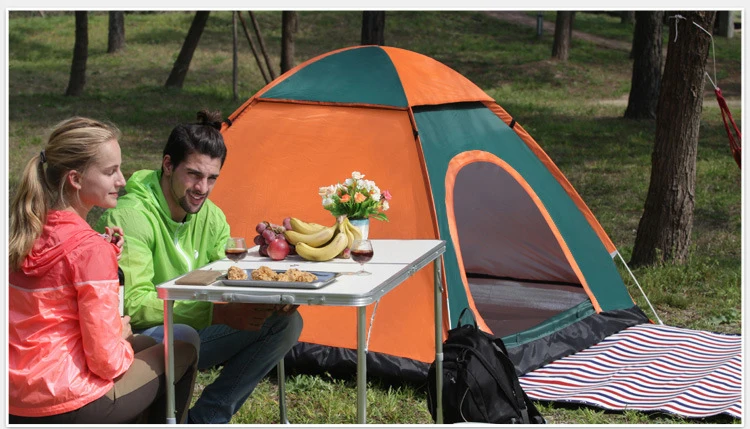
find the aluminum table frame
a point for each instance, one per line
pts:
(394, 262)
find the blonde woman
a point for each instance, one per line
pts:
(72, 359)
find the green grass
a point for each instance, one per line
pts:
(574, 110)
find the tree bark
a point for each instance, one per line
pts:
(373, 28)
(116, 39)
(80, 55)
(235, 57)
(182, 63)
(262, 69)
(289, 26)
(563, 33)
(647, 59)
(664, 230)
(628, 17)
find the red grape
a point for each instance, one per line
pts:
(269, 235)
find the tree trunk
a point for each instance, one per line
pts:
(182, 63)
(373, 28)
(563, 33)
(627, 17)
(116, 40)
(80, 55)
(235, 57)
(262, 44)
(289, 27)
(647, 59)
(664, 230)
(724, 24)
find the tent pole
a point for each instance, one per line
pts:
(639, 287)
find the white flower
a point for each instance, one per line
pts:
(356, 175)
(385, 205)
(327, 201)
(348, 182)
(327, 191)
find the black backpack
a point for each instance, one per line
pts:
(479, 381)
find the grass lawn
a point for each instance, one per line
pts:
(574, 110)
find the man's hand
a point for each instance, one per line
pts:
(285, 308)
(247, 317)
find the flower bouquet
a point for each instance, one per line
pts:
(356, 198)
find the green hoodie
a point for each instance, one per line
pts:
(158, 249)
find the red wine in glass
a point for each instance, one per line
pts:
(362, 256)
(236, 254)
(362, 252)
(235, 248)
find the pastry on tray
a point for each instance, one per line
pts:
(236, 273)
(291, 275)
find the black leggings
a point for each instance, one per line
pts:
(139, 395)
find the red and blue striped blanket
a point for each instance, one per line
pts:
(650, 368)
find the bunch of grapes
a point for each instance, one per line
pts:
(268, 232)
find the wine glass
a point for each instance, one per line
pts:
(362, 252)
(235, 248)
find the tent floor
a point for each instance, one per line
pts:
(509, 306)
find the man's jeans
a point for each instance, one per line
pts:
(247, 357)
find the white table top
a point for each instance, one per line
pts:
(393, 262)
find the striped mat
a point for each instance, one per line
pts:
(649, 368)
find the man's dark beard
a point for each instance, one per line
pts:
(182, 201)
(185, 206)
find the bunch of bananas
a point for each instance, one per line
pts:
(316, 242)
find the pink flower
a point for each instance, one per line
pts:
(387, 195)
(359, 197)
(345, 198)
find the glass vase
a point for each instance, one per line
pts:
(363, 225)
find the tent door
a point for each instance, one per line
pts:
(517, 273)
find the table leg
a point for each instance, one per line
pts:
(169, 359)
(361, 366)
(282, 392)
(439, 339)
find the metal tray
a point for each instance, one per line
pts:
(324, 278)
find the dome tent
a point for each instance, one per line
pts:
(523, 250)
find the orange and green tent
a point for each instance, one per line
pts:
(524, 252)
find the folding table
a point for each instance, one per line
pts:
(394, 262)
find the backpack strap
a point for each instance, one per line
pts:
(515, 387)
(510, 372)
(460, 316)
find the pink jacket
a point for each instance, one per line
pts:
(64, 333)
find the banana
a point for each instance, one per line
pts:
(303, 227)
(345, 254)
(325, 253)
(354, 230)
(315, 239)
(349, 234)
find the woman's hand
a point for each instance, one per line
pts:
(127, 331)
(115, 236)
